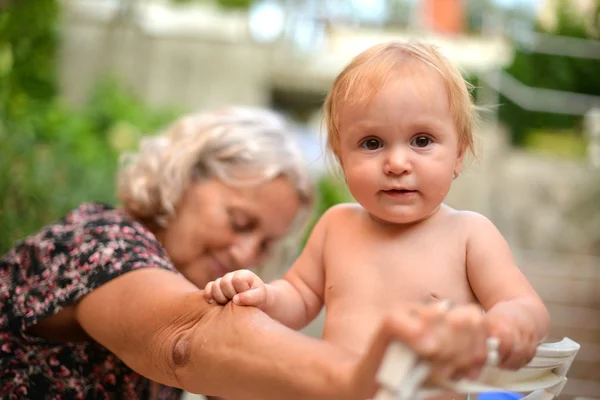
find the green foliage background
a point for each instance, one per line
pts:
(562, 73)
(53, 157)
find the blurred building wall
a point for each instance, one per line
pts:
(189, 59)
(197, 57)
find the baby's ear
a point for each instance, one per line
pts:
(458, 166)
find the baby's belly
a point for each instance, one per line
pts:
(352, 329)
(355, 311)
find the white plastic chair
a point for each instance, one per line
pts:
(401, 374)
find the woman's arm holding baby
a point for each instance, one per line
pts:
(516, 314)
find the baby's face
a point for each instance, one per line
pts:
(400, 152)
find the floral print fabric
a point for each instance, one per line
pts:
(51, 270)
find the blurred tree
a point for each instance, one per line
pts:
(229, 4)
(57, 157)
(571, 74)
(242, 4)
(28, 40)
(53, 157)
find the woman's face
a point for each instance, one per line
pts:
(218, 228)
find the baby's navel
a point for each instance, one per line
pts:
(433, 296)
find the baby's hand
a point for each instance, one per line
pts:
(244, 287)
(517, 338)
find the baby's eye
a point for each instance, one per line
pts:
(371, 144)
(421, 141)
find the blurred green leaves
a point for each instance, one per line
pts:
(227, 4)
(28, 42)
(58, 157)
(547, 71)
(52, 156)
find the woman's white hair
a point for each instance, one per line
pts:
(238, 145)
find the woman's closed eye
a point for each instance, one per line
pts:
(241, 222)
(421, 141)
(371, 143)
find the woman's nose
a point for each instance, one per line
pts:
(397, 162)
(246, 251)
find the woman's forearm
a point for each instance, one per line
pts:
(240, 353)
(235, 352)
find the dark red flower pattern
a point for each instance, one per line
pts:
(51, 270)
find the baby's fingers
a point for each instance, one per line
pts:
(218, 293)
(208, 292)
(244, 280)
(521, 353)
(226, 285)
(253, 297)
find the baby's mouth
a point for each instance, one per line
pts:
(399, 191)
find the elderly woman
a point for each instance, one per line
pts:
(106, 300)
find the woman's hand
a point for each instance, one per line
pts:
(453, 341)
(517, 337)
(244, 287)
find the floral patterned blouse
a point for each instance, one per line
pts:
(51, 270)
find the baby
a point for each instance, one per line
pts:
(399, 121)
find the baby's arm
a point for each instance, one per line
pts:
(515, 312)
(294, 300)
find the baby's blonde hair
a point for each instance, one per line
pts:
(368, 72)
(238, 145)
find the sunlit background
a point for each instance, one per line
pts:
(81, 80)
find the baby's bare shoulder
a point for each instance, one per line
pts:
(344, 211)
(469, 221)
(343, 216)
(464, 216)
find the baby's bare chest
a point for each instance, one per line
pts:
(390, 270)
